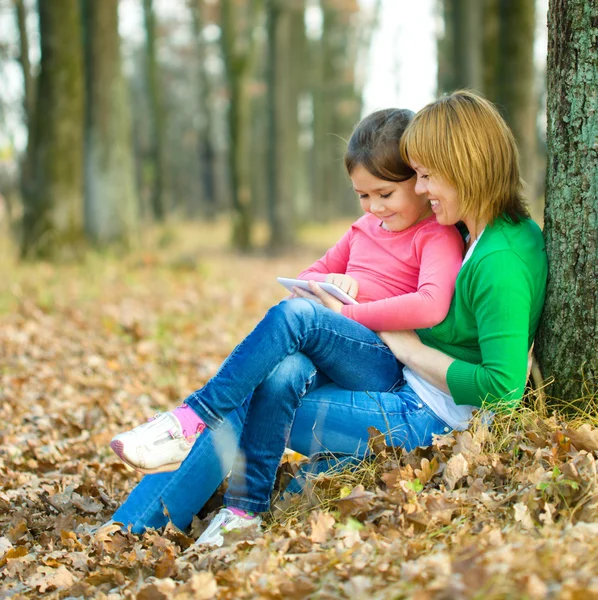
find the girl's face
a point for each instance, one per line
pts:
(443, 197)
(395, 203)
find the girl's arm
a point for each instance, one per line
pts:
(334, 261)
(440, 256)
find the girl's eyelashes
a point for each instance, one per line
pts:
(384, 196)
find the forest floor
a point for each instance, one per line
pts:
(89, 349)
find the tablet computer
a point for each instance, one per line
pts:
(303, 284)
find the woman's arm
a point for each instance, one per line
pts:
(500, 300)
(429, 363)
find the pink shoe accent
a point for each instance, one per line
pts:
(191, 423)
(241, 513)
(118, 448)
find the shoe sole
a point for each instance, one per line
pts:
(118, 449)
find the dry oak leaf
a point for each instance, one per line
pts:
(522, 515)
(429, 468)
(158, 590)
(456, 468)
(201, 586)
(53, 579)
(584, 438)
(358, 501)
(321, 524)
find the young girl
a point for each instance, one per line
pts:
(397, 261)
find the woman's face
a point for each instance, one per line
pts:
(443, 197)
(395, 203)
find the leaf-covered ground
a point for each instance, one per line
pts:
(509, 511)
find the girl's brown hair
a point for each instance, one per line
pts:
(463, 138)
(374, 144)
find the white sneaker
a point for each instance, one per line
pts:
(154, 447)
(224, 522)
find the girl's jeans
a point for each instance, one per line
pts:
(306, 377)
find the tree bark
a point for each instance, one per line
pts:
(110, 195)
(53, 218)
(156, 104)
(568, 338)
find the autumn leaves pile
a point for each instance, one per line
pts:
(507, 510)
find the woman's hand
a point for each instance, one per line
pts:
(402, 343)
(318, 294)
(345, 282)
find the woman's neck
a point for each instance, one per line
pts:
(475, 228)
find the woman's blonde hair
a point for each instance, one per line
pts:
(463, 138)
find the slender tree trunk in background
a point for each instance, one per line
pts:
(286, 35)
(205, 132)
(53, 219)
(490, 47)
(568, 336)
(238, 49)
(515, 88)
(29, 99)
(111, 202)
(460, 51)
(158, 203)
(26, 171)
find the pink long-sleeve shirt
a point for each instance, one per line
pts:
(406, 278)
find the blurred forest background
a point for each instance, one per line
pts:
(225, 109)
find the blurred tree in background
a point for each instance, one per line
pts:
(111, 204)
(488, 46)
(234, 108)
(53, 215)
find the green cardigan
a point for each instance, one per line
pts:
(494, 314)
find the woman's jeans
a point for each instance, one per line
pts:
(307, 378)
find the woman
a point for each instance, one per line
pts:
(477, 355)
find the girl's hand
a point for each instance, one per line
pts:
(345, 282)
(318, 294)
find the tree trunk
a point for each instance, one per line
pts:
(29, 100)
(515, 88)
(568, 336)
(460, 51)
(286, 34)
(158, 203)
(26, 167)
(110, 196)
(206, 153)
(238, 49)
(53, 222)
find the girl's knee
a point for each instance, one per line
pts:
(297, 309)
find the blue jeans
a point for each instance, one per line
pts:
(306, 378)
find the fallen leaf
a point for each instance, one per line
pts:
(584, 438)
(321, 525)
(457, 467)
